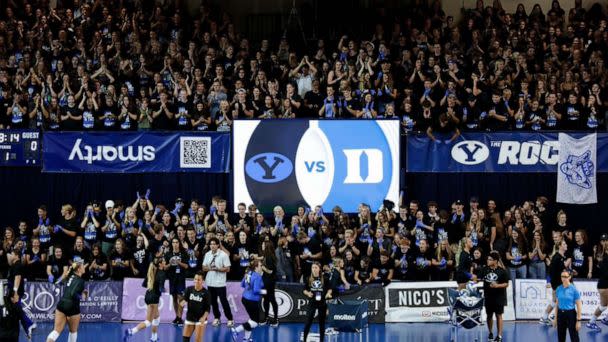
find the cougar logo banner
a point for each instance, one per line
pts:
(307, 163)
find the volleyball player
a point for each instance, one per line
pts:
(10, 315)
(252, 296)
(495, 282)
(68, 309)
(602, 286)
(318, 290)
(197, 299)
(154, 282)
(559, 262)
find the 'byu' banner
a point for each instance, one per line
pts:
(576, 174)
(309, 163)
(494, 152)
(132, 152)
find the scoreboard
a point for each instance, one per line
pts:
(20, 148)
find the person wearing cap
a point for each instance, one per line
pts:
(495, 282)
(601, 256)
(110, 228)
(568, 309)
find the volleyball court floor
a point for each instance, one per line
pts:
(290, 332)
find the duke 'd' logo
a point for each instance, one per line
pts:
(470, 152)
(269, 167)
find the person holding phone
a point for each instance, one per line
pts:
(217, 265)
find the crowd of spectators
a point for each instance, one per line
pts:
(408, 242)
(139, 65)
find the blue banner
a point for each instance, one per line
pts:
(493, 152)
(136, 152)
(20, 148)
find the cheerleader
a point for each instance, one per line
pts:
(197, 299)
(318, 290)
(252, 296)
(602, 283)
(68, 309)
(155, 283)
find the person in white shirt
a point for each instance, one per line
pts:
(217, 264)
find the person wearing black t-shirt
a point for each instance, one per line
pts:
(109, 114)
(495, 282)
(601, 272)
(363, 274)
(120, 261)
(57, 267)
(163, 113)
(269, 267)
(574, 111)
(200, 119)
(422, 261)
(99, 269)
(177, 259)
(16, 281)
(10, 315)
(35, 260)
(154, 282)
(318, 290)
(184, 111)
(80, 253)
(582, 256)
(498, 116)
(464, 271)
(310, 252)
(559, 262)
(71, 116)
(140, 257)
(384, 270)
(197, 299)
(68, 309)
(443, 130)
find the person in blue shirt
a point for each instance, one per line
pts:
(568, 309)
(252, 297)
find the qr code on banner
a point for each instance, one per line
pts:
(195, 152)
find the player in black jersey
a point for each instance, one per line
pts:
(68, 309)
(155, 283)
(197, 298)
(602, 283)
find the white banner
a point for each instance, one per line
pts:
(428, 301)
(576, 173)
(533, 296)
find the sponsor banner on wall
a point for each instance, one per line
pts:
(103, 303)
(428, 301)
(533, 296)
(134, 306)
(293, 305)
(309, 163)
(134, 152)
(494, 152)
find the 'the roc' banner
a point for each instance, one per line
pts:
(309, 163)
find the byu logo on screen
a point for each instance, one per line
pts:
(317, 163)
(269, 167)
(470, 152)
